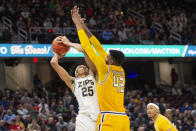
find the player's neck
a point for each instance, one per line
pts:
(155, 117)
(82, 76)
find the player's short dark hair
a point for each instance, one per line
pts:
(118, 56)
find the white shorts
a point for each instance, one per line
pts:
(85, 123)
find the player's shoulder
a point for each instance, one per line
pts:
(163, 119)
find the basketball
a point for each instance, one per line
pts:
(59, 48)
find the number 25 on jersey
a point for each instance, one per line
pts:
(119, 82)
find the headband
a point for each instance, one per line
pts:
(152, 104)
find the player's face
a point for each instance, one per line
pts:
(151, 111)
(82, 69)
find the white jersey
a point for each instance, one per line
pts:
(86, 95)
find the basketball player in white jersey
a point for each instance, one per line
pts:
(83, 86)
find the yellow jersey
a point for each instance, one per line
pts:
(162, 123)
(111, 90)
(111, 84)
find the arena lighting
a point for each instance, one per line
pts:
(45, 50)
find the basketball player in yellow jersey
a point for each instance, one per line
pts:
(161, 123)
(111, 81)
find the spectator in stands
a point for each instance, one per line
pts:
(43, 105)
(4, 102)
(139, 120)
(33, 126)
(72, 123)
(141, 128)
(20, 23)
(9, 116)
(51, 124)
(122, 34)
(36, 99)
(15, 127)
(176, 91)
(61, 108)
(47, 23)
(2, 111)
(60, 124)
(3, 126)
(44, 114)
(194, 128)
(107, 35)
(67, 98)
(186, 107)
(26, 99)
(22, 111)
(19, 122)
(28, 121)
(174, 76)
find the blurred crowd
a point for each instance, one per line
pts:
(110, 20)
(57, 110)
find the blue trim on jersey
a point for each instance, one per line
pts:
(102, 120)
(106, 76)
(113, 112)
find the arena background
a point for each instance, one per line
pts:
(157, 37)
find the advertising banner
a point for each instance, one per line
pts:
(45, 50)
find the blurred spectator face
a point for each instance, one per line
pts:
(9, 112)
(66, 93)
(17, 118)
(71, 107)
(28, 118)
(14, 122)
(2, 123)
(25, 93)
(152, 111)
(138, 96)
(50, 120)
(140, 115)
(186, 104)
(43, 101)
(4, 98)
(155, 100)
(1, 108)
(141, 129)
(60, 103)
(145, 99)
(54, 114)
(60, 118)
(168, 114)
(162, 100)
(34, 122)
(195, 125)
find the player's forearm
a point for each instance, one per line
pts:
(78, 26)
(77, 46)
(98, 47)
(54, 61)
(88, 33)
(85, 43)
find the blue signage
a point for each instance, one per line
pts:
(45, 50)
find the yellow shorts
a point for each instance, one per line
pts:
(113, 122)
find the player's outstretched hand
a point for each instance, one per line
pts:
(64, 40)
(75, 15)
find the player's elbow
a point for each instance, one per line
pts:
(53, 63)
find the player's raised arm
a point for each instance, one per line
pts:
(63, 74)
(98, 61)
(95, 42)
(78, 47)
